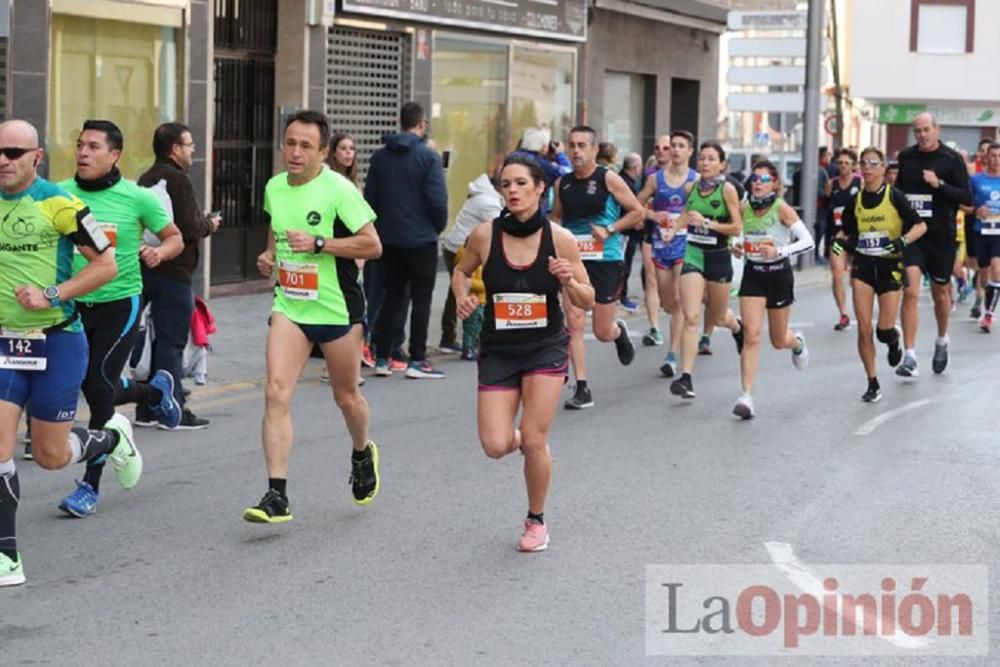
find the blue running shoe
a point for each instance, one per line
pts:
(81, 502)
(168, 410)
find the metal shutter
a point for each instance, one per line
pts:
(367, 81)
(3, 78)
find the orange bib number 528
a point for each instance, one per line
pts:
(512, 310)
(299, 281)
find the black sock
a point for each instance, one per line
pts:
(362, 455)
(873, 383)
(95, 443)
(581, 384)
(539, 518)
(686, 377)
(278, 485)
(140, 393)
(10, 494)
(992, 292)
(93, 473)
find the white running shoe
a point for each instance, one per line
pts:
(801, 360)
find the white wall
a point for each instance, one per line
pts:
(882, 67)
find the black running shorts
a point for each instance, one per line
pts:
(774, 282)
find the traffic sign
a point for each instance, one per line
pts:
(831, 124)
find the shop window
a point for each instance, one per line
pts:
(469, 112)
(128, 73)
(542, 93)
(627, 111)
(942, 26)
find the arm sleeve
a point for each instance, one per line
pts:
(902, 206)
(957, 190)
(188, 216)
(151, 212)
(435, 194)
(803, 240)
(849, 220)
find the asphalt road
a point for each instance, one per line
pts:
(170, 574)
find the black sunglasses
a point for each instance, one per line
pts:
(15, 153)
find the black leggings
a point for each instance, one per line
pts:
(111, 330)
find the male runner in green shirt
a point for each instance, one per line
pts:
(320, 224)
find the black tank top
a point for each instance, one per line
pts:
(522, 303)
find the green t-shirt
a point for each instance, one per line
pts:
(123, 211)
(36, 248)
(316, 288)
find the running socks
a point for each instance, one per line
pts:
(581, 384)
(537, 518)
(10, 494)
(992, 296)
(89, 445)
(140, 393)
(873, 384)
(278, 485)
(92, 475)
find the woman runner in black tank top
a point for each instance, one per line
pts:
(527, 261)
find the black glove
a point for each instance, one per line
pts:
(837, 248)
(896, 246)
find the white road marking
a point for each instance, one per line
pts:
(784, 558)
(869, 426)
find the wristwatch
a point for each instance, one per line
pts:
(52, 294)
(611, 228)
(318, 244)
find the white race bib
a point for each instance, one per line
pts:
(838, 216)
(990, 225)
(873, 244)
(299, 280)
(752, 244)
(21, 351)
(590, 248)
(922, 204)
(518, 310)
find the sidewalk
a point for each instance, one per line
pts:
(238, 347)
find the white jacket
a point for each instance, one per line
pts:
(483, 205)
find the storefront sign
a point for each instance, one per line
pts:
(903, 114)
(554, 19)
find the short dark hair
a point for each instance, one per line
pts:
(715, 146)
(166, 136)
(764, 163)
(410, 115)
(607, 151)
(987, 141)
(994, 145)
(586, 129)
(895, 165)
(684, 134)
(534, 169)
(868, 149)
(849, 153)
(310, 117)
(112, 133)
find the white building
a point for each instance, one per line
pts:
(908, 56)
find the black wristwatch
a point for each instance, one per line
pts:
(318, 244)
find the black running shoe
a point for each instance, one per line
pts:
(189, 422)
(623, 344)
(873, 395)
(581, 399)
(682, 387)
(896, 350)
(365, 480)
(738, 337)
(976, 312)
(272, 508)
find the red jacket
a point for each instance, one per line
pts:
(202, 323)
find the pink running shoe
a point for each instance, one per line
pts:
(535, 538)
(986, 323)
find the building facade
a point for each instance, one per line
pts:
(894, 44)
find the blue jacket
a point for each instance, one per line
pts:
(405, 186)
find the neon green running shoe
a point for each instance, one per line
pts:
(11, 572)
(125, 459)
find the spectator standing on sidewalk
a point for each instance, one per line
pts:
(483, 205)
(405, 186)
(167, 287)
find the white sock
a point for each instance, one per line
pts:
(942, 340)
(911, 353)
(7, 468)
(75, 447)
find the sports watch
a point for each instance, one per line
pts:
(52, 294)
(318, 244)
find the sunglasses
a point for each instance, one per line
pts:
(15, 153)
(761, 178)
(843, 162)
(871, 163)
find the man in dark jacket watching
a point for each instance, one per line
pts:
(405, 186)
(167, 288)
